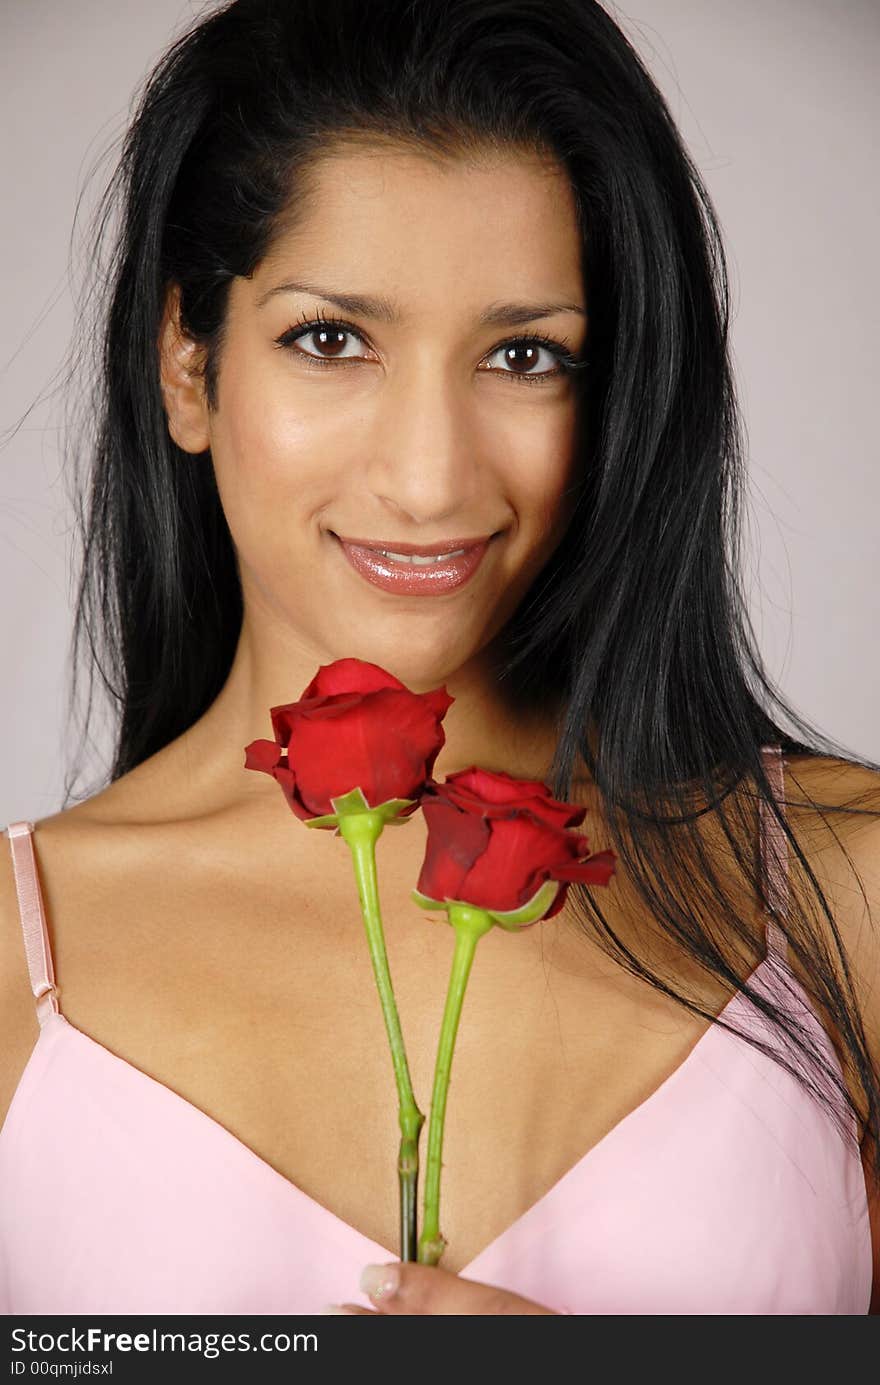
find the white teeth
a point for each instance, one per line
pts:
(418, 561)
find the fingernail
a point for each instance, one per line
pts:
(335, 1308)
(380, 1281)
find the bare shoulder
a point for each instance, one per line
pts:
(832, 793)
(835, 809)
(65, 838)
(19, 1027)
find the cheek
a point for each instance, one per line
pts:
(271, 456)
(541, 464)
(263, 436)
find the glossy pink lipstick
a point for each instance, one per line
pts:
(411, 579)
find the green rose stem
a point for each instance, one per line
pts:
(361, 831)
(470, 924)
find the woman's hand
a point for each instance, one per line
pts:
(410, 1288)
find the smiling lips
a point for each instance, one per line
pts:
(430, 570)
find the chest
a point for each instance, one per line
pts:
(258, 1006)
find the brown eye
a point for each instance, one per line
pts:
(524, 357)
(328, 338)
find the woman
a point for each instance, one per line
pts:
(414, 277)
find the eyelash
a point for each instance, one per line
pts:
(568, 363)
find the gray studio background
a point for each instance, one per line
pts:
(779, 104)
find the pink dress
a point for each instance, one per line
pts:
(726, 1191)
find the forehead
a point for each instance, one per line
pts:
(385, 214)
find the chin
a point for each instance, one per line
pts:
(419, 675)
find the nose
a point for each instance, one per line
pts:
(424, 447)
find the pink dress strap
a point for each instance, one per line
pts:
(33, 919)
(774, 854)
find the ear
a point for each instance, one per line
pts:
(180, 358)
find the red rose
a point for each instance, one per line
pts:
(493, 841)
(355, 726)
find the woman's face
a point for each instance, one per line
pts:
(423, 426)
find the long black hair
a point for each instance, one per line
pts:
(638, 621)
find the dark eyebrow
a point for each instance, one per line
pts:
(381, 309)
